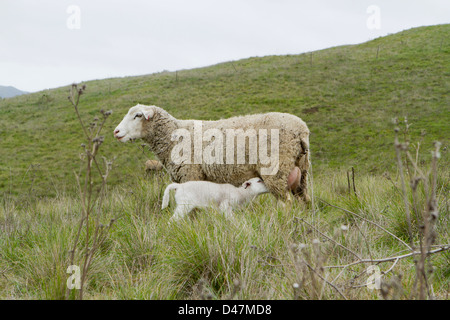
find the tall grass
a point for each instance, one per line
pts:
(268, 253)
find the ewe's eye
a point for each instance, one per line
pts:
(138, 115)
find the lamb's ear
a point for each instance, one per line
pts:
(148, 113)
(247, 184)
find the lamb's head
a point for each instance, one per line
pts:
(255, 186)
(131, 126)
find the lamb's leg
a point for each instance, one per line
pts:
(180, 211)
(226, 210)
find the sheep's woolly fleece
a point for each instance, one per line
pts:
(153, 165)
(156, 127)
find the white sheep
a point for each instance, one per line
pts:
(164, 135)
(203, 194)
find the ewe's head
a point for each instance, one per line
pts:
(255, 185)
(130, 127)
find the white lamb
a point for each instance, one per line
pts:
(201, 194)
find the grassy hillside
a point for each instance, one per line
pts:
(325, 250)
(348, 96)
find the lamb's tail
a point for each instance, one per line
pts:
(166, 198)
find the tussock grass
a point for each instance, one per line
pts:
(260, 255)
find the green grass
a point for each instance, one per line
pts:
(144, 257)
(348, 98)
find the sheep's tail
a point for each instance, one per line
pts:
(166, 198)
(300, 172)
(303, 154)
(305, 146)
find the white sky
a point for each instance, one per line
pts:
(122, 38)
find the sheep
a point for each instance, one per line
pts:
(164, 134)
(202, 194)
(153, 166)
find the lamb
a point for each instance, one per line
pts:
(166, 137)
(202, 194)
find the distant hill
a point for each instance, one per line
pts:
(9, 92)
(348, 96)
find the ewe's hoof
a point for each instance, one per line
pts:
(307, 199)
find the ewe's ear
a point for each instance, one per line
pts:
(247, 184)
(148, 113)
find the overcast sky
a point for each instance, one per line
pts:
(46, 44)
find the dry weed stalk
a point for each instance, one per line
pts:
(430, 212)
(91, 202)
(312, 264)
(426, 220)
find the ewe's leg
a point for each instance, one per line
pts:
(277, 185)
(302, 190)
(286, 204)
